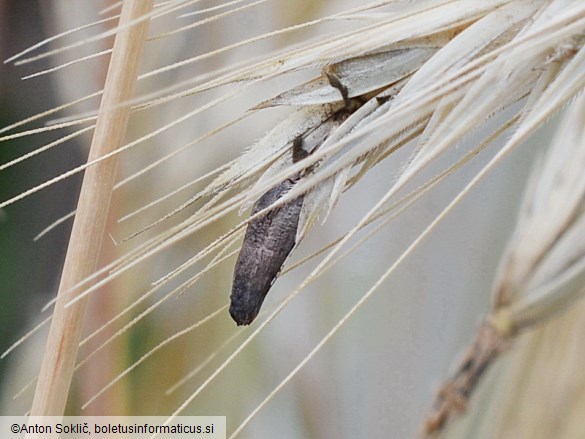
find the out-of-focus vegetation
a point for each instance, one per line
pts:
(29, 271)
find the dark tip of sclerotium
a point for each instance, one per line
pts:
(241, 316)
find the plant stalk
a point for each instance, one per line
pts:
(92, 211)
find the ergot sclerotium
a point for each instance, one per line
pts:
(267, 243)
(270, 239)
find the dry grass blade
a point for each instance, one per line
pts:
(61, 350)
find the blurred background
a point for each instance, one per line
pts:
(29, 271)
(376, 378)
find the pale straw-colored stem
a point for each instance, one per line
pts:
(92, 211)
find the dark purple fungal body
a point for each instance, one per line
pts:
(268, 241)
